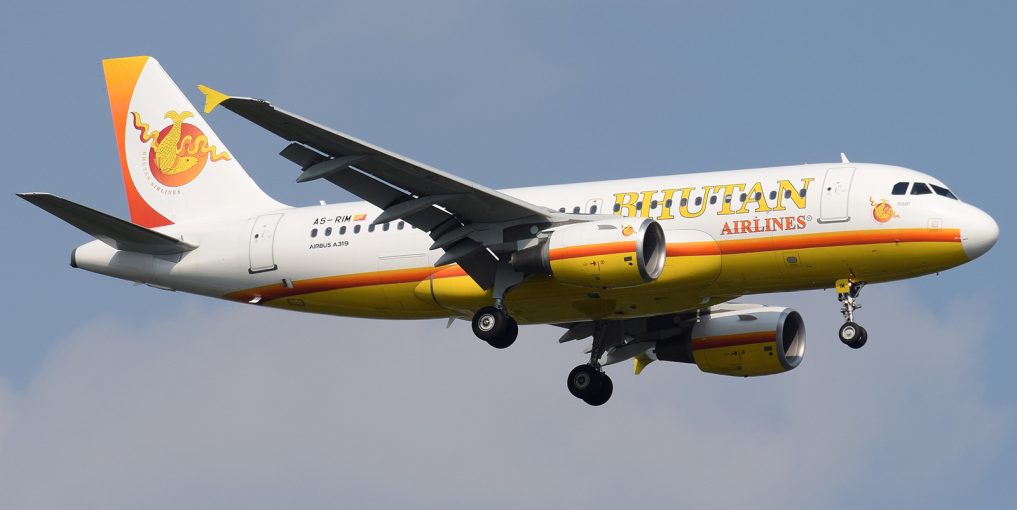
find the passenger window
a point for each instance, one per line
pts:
(653, 204)
(773, 195)
(920, 188)
(668, 203)
(901, 188)
(639, 205)
(941, 191)
(370, 228)
(314, 232)
(328, 231)
(787, 194)
(727, 199)
(803, 192)
(576, 209)
(617, 207)
(713, 199)
(400, 225)
(742, 197)
(561, 209)
(684, 202)
(385, 227)
(593, 209)
(699, 201)
(356, 229)
(342, 230)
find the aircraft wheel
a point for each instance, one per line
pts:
(585, 381)
(862, 338)
(604, 394)
(853, 335)
(494, 327)
(508, 337)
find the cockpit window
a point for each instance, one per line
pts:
(941, 191)
(920, 188)
(901, 188)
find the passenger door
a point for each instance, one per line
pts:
(262, 252)
(836, 191)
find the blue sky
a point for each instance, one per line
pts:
(161, 394)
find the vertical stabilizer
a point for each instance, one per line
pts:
(176, 170)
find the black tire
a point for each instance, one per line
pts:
(849, 333)
(489, 323)
(860, 341)
(584, 381)
(508, 337)
(602, 396)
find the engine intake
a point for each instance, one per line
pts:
(746, 342)
(602, 254)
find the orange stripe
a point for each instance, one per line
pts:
(121, 77)
(711, 342)
(915, 235)
(592, 250)
(326, 283)
(692, 249)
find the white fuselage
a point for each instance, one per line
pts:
(764, 223)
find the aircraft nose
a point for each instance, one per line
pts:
(978, 233)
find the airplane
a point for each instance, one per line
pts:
(647, 267)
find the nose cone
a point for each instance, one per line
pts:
(978, 233)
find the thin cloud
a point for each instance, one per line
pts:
(235, 406)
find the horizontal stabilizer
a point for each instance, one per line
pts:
(120, 234)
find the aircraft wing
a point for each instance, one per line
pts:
(452, 209)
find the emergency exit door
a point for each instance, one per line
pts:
(836, 191)
(262, 243)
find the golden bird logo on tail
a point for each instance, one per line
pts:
(179, 151)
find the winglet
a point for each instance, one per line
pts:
(213, 97)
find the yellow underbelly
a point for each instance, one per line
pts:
(693, 277)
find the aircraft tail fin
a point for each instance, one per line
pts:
(120, 234)
(175, 169)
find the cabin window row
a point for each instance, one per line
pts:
(579, 210)
(356, 229)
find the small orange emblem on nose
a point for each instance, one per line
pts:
(627, 230)
(882, 211)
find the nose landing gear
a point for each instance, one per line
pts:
(852, 334)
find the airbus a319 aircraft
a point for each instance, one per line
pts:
(647, 267)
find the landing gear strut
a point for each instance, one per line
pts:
(589, 382)
(852, 334)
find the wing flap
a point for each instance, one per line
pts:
(120, 234)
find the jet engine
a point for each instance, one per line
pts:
(605, 254)
(744, 342)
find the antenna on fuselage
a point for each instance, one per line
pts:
(843, 158)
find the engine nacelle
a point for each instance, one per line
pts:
(747, 342)
(614, 253)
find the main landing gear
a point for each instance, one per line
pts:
(492, 325)
(853, 335)
(589, 382)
